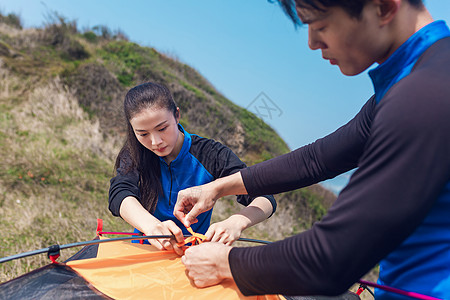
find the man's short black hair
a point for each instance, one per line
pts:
(352, 7)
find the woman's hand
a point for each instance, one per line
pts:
(166, 228)
(137, 216)
(227, 231)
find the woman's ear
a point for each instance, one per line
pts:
(177, 115)
(387, 9)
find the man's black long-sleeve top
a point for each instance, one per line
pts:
(401, 147)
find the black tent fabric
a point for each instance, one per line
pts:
(54, 281)
(85, 253)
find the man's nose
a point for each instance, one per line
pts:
(314, 42)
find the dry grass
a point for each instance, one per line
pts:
(20, 38)
(53, 109)
(55, 181)
(9, 30)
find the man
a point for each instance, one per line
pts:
(395, 210)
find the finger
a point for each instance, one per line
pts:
(232, 239)
(224, 238)
(188, 253)
(181, 214)
(229, 243)
(178, 250)
(216, 237)
(178, 211)
(210, 233)
(175, 230)
(191, 217)
(157, 244)
(218, 233)
(182, 206)
(167, 244)
(199, 283)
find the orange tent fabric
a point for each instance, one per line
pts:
(124, 270)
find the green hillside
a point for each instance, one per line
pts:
(61, 93)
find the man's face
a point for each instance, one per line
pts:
(352, 44)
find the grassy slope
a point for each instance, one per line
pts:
(60, 116)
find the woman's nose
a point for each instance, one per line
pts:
(156, 139)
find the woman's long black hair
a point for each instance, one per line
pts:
(144, 96)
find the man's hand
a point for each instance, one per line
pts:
(207, 263)
(193, 201)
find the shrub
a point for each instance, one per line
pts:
(60, 34)
(90, 36)
(12, 20)
(102, 31)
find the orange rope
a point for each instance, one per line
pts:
(195, 239)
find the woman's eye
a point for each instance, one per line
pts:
(143, 134)
(162, 129)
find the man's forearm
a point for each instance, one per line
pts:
(229, 185)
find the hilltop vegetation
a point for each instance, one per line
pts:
(61, 93)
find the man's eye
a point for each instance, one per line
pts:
(320, 29)
(162, 129)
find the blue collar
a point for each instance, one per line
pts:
(184, 149)
(401, 62)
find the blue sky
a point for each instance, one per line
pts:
(244, 48)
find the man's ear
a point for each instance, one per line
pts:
(387, 9)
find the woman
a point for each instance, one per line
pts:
(159, 159)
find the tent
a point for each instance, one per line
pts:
(118, 269)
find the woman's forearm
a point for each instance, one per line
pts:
(132, 211)
(257, 211)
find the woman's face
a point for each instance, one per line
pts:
(157, 130)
